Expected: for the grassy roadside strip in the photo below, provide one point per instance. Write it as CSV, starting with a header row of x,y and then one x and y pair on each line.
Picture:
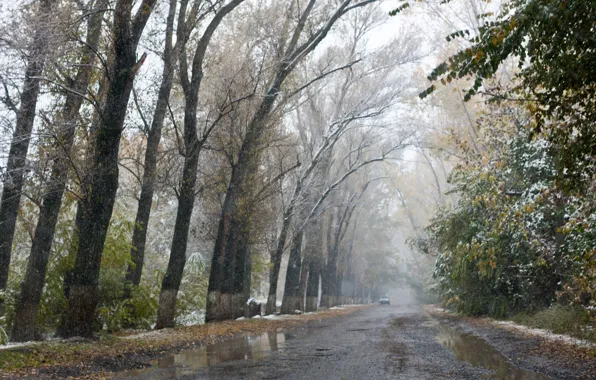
x,y
555,345
556,323
112,352
572,321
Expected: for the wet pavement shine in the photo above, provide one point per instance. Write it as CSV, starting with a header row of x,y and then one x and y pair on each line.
x,y
381,342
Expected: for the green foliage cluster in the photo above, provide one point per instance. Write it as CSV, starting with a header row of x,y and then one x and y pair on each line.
x,y
490,260
523,233
554,44
114,311
515,241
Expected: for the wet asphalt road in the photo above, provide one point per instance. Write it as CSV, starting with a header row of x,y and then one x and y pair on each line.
x,y
381,342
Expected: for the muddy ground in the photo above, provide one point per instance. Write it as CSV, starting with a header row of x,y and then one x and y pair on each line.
x,y
379,342
395,342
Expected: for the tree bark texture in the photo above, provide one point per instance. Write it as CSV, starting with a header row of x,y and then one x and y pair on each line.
x,y
31,289
247,284
234,219
193,146
103,183
139,236
17,155
313,254
276,257
291,300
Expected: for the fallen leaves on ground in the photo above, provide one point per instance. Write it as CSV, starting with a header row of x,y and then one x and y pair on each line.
x,y
88,358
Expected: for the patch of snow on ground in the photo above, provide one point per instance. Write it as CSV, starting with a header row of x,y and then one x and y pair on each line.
x,y
143,335
279,316
196,317
240,319
8,346
545,334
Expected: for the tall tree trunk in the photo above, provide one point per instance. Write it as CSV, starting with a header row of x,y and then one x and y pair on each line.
x,y
291,300
246,286
312,288
276,257
191,86
271,307
330,269
31,289
233,218
303,282
17,155
139,235
173,277
240,275
103,183
229,234
339,288
314,255
329,291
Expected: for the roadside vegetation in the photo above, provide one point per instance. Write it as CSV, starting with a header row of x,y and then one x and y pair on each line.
x,y
519,241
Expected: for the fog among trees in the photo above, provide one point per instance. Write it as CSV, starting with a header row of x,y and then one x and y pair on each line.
x,y
165,162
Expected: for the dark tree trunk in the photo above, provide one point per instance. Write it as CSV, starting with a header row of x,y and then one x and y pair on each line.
x,y
339,287
240,276
303,282
103,184
247,283
276,262
139,236
271,307
314,255
172,279
333,272
17,155
324,287
190,86
329,291
312,289
292,300
31,289
233,216
330,269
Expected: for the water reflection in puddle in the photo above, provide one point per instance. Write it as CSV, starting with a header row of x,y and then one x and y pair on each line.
x,y
477,352
189,361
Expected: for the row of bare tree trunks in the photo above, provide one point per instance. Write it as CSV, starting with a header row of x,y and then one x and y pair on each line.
x,y
318,262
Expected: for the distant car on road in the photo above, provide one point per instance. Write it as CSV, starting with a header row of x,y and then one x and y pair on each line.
x,y
384,300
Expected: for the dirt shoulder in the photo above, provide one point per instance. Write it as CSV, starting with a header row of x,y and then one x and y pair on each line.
x,y
111,353
558,356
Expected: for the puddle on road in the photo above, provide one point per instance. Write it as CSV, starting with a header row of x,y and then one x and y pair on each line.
x,y
188,362
479,353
